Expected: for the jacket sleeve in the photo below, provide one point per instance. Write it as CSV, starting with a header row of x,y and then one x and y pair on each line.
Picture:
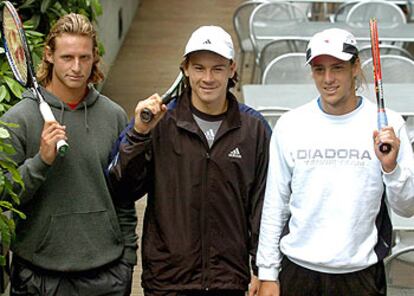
x,y
130,166
275,212
400,182
126,212
257,195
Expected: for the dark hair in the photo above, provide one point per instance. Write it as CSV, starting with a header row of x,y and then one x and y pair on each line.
x,y
231,83
76,24
360,80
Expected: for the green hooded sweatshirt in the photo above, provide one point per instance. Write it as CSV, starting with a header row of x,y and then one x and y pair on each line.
x,y
72,223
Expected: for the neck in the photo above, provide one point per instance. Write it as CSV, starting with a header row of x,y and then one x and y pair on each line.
x,y
342,107
67,95
216,107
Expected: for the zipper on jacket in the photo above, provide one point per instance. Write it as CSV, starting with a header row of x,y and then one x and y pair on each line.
x,y
205,279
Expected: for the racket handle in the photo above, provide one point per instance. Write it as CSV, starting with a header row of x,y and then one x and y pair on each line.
x,y
146,114
383,121
384,148
61,146
46,112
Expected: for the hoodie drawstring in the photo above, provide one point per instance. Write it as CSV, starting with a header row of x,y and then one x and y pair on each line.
x,y
62,110
86,116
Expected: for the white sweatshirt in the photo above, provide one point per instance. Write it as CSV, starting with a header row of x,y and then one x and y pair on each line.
x,y
324,176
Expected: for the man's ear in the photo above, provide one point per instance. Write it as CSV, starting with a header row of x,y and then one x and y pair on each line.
x,y
356,68
233,68
49,54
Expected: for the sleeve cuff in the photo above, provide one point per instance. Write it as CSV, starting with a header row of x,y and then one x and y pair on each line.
x,y
130,256
137,137
393,175
268,274
38,165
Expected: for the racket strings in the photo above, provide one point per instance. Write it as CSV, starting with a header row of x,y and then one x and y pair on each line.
x,y
14,46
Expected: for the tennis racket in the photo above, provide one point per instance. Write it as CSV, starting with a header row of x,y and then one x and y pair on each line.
x,y
175,90
20,61
382,116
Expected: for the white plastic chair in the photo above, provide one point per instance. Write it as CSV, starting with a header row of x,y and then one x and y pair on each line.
x,y
395,69
387,13
279,47
272,114
272,15
241,18
342,11
385,49
288,68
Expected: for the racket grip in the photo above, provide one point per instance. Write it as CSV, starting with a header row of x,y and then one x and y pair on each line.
x,y
384,148
382,119
46,112
61,146
382,122
146,114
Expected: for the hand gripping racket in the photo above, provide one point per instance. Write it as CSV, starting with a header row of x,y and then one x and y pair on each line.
x,y
18,56
382,116
174,90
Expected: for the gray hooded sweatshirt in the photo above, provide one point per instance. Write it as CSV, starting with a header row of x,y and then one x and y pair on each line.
x,y
72,223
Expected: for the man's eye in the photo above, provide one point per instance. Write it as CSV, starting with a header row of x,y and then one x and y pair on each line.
x,y
338,68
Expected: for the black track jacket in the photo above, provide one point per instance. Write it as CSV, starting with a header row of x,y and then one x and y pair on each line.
x,y
204,205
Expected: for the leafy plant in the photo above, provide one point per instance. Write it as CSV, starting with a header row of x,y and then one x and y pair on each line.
x,y
44,13
10,182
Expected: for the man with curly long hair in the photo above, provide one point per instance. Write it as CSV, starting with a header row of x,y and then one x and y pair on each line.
x,y
75,240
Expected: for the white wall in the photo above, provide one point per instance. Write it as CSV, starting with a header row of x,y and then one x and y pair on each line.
x,y
117,15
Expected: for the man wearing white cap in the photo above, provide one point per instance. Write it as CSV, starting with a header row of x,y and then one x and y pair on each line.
x,y
203,162
325,228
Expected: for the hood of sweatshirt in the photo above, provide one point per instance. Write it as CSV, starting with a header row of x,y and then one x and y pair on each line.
x,y
59,107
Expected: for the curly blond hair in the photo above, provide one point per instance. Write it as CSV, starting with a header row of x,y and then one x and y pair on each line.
x,y
71,23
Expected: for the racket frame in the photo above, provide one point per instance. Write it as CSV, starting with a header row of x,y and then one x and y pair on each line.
x,y
31,81
382,120
175,88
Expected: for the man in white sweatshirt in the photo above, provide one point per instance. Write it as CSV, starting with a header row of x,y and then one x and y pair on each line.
x,y
325,227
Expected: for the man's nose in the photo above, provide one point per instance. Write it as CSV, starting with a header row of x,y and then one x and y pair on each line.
x,y
329,76
76,65
208,76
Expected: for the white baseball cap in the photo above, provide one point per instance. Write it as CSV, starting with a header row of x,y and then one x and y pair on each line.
x,y
211,38
334,42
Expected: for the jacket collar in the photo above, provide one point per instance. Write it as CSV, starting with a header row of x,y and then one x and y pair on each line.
x,y
185,119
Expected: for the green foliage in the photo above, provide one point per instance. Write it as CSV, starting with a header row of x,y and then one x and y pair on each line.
x,y
10,182
38,16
